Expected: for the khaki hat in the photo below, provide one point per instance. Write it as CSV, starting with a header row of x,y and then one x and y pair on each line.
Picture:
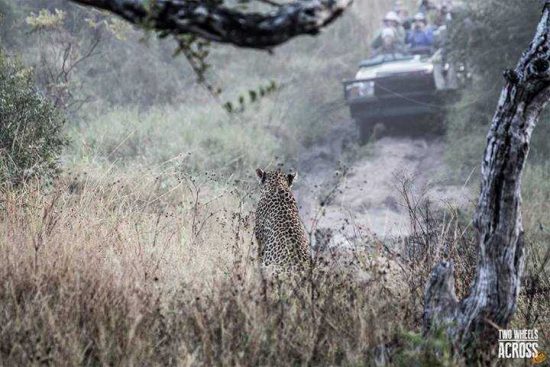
x,y
392,16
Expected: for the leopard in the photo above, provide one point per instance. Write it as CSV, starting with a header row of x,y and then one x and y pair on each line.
x,y
280,234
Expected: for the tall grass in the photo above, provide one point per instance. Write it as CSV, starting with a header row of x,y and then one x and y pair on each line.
x,y
121,270
199,138
160,268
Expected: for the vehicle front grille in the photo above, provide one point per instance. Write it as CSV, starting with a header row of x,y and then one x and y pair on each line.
x,y
403,85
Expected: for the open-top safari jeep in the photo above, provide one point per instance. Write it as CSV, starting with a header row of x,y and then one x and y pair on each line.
x,y
401,88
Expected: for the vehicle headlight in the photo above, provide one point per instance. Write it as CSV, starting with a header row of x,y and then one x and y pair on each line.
x,y
360,89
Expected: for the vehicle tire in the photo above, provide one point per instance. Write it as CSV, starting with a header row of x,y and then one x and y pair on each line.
x,y
365,131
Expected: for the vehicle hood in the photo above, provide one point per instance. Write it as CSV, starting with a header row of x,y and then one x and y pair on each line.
x,y
395,68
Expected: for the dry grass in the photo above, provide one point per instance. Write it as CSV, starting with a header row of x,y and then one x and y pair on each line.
x,y
449,235
159,269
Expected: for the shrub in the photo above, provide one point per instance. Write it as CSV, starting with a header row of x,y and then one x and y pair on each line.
x,y
31,130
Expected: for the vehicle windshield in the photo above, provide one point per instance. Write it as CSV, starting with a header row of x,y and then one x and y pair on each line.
x,y
408,54
383,58
421,50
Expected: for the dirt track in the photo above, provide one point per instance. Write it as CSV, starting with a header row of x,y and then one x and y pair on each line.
x,y
367,200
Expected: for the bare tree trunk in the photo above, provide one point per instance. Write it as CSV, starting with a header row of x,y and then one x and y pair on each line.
x,y
491,303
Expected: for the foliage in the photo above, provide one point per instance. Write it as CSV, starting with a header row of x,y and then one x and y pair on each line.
x,y
420,350
489,36
253,97
61,53
7,22
31,129
46,19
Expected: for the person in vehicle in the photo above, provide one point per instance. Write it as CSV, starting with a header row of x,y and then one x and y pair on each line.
x,y
420,35
404,19
389,45
391,20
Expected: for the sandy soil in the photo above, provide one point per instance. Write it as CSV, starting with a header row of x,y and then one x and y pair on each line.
x,y
366,201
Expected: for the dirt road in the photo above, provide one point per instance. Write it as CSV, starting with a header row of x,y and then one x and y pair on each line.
x,y
367,200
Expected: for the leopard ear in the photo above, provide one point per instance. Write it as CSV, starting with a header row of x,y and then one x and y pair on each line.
x,y
261,175
291,177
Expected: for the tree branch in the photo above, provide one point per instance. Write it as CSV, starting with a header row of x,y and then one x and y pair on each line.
x,y
220,24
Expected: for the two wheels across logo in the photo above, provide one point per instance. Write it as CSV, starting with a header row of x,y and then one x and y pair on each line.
x,y
520,344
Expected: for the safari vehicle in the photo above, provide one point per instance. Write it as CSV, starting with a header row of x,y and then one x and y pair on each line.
x,y
401,88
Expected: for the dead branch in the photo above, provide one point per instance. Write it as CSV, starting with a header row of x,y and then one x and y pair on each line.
x,y
221,24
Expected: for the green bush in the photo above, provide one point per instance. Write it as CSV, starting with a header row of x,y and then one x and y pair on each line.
x,y
31,130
